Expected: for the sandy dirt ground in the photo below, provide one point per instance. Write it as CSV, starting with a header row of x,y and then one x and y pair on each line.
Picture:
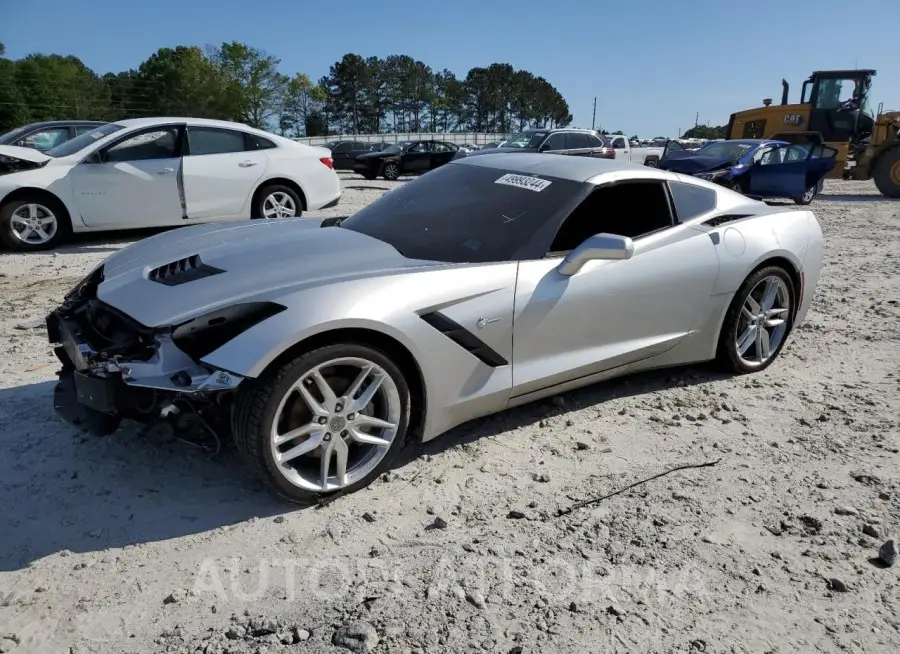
x,y
119,544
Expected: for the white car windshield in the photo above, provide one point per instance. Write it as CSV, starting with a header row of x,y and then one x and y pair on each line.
x,y
80,142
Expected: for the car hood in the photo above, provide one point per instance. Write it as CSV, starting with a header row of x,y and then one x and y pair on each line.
x,y
690,163
23,154
256,257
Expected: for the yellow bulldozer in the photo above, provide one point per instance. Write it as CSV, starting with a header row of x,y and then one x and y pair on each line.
x,y
833,109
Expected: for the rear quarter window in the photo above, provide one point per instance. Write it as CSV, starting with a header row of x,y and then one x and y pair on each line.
x,y
691,200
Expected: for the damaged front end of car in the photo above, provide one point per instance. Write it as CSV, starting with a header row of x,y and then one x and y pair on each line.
x,y
114,368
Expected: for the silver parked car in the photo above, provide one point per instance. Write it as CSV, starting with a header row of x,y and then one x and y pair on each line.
x,y
482,285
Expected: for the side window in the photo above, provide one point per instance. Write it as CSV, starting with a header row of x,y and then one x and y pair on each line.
x,y
691,200
619,143
441,147
342,147
211,140
556,141
154,144
84,129
255,142
632,209
595,141
799,152
578,141
419,147
45,139
772,157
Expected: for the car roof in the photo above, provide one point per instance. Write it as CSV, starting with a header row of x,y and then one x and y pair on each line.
x,y
578,169
203,122
63,123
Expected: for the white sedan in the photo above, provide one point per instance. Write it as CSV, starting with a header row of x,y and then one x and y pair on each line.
x,y
158,172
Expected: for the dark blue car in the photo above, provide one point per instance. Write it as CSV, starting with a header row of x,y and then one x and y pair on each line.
x,y
762,168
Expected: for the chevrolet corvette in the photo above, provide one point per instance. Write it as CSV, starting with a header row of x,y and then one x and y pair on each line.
x,y
482,285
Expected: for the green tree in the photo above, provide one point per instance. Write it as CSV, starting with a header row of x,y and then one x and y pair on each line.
x,y
255,89
172,82
303,100
706,132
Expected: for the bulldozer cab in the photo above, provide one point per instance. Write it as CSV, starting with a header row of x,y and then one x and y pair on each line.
x,y
838,103
833,103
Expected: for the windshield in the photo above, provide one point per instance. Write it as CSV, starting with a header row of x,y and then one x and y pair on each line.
x,y
725,150
465,214
80,142
530,138
11,135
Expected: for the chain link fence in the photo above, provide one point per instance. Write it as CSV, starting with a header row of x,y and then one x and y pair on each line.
x,y
474,138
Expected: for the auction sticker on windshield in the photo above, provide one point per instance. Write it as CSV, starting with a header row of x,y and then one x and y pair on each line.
x,y
524,181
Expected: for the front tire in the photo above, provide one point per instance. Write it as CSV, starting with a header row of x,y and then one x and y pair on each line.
x,y
807,197
277,201
887,173
33,222
332,420
652,163
757,322
391,171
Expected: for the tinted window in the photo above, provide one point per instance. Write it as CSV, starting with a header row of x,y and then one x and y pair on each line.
x,y
209,140
340,148
630,209
530,138
440,146
460,213
619,143
557,141
45,139
158,143
579,141
80,142
596,141
691,200
419,147
84,129
257,142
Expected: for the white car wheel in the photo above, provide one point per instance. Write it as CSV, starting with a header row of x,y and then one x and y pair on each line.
x,y
32,224
279,205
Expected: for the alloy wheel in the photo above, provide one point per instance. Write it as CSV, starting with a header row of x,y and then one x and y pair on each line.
x,y
335,424
762,324
34,224
809,195
279,205
391,171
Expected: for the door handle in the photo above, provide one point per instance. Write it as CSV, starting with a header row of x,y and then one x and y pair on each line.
x,y
165,171
247,164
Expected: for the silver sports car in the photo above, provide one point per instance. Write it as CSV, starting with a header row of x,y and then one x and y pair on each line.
x,y
482,285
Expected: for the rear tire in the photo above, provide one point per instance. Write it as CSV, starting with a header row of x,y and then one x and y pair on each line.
x,y
807,197
34,221
279,402
652,163
887,173
277,201
751,311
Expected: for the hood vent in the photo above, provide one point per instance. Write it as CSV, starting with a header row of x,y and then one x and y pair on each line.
x,y
715,221
182,271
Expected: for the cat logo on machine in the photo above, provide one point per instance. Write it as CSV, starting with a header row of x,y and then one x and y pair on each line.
x,y
793,119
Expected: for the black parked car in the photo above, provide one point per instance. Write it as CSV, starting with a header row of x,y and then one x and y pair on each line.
x,y
409,157
578,142
344,153
43,136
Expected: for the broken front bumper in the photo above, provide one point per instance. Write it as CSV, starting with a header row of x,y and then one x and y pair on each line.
x,y
99,387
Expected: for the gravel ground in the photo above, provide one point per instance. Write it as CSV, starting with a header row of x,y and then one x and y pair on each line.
x,y
123,545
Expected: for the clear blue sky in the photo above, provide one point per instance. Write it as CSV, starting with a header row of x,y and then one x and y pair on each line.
x,y
652,64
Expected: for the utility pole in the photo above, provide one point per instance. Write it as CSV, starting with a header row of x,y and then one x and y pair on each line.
x,y
594,119
697,119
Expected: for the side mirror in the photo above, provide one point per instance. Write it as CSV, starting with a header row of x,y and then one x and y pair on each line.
x,y
608,247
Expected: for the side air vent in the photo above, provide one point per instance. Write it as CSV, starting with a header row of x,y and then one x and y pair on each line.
x,y
465,339
182,271
721,220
